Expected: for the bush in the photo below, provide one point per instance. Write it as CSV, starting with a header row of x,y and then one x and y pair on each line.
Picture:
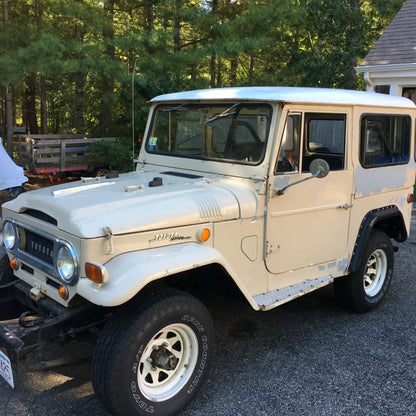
x,y
116,155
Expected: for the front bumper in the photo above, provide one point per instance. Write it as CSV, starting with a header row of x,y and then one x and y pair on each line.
x,y
43,322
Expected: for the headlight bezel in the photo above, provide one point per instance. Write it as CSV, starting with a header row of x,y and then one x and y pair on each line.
x,y
72,260
13,234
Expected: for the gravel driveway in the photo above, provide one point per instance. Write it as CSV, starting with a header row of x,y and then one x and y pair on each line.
x,y
308,357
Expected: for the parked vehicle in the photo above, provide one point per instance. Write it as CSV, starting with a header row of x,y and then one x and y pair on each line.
x,y
276,191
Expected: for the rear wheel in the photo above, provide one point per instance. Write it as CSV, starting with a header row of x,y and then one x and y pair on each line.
x,y
365,288
153,356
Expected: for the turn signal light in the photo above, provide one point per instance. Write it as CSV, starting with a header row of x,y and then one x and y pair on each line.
x,y
96,273
63,292
410,198
14,264
203,234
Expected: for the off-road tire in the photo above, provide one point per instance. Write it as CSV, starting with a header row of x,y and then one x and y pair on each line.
x,y
6,272
126,372
365,288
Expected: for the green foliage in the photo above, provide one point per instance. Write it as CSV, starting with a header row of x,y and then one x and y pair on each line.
x,y
116,155
82,53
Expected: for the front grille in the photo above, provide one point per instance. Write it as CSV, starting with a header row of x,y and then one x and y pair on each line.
x,y
38,246
38,249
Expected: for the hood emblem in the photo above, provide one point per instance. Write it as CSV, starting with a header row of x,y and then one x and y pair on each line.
x,y
174,236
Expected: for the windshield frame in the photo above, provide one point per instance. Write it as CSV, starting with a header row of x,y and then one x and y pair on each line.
x,y
226,110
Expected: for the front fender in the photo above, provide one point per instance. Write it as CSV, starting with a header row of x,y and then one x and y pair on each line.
x,y
128,273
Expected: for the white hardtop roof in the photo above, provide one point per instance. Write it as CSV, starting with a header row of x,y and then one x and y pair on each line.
x,y
289,95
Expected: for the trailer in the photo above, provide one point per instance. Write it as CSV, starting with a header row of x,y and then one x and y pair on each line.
x,y
57,153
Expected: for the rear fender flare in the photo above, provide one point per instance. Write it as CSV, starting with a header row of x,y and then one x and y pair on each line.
x,y
372,221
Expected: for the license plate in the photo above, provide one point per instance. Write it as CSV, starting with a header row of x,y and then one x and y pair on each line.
x,y
6,368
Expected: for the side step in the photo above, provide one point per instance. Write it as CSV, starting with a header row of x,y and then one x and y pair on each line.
x,y
277,297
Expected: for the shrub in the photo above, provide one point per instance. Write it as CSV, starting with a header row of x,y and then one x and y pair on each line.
x,y
116,155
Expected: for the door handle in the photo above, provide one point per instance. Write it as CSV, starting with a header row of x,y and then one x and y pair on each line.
x,y
344,206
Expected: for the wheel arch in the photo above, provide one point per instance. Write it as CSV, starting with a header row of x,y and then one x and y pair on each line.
x,y
174,266
387,219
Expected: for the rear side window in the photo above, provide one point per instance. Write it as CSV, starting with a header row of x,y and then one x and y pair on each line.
x,y
385,140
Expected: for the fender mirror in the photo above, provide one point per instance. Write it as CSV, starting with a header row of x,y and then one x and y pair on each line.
x,y
319,168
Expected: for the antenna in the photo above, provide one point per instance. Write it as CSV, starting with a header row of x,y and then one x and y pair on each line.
x,y
132,108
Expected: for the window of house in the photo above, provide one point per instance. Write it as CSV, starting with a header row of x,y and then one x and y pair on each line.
x,y
410,93
385,140
382,89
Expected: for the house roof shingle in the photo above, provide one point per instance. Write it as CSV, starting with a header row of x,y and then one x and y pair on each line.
x,y
397,45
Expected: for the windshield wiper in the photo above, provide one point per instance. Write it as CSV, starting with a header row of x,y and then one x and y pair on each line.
x,y
177,108
225,113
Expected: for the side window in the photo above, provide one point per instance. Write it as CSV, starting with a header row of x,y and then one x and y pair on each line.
x,y
324,138
385,140
288,159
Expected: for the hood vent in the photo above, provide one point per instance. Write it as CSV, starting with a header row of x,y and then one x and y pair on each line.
x,y
208,206
41,216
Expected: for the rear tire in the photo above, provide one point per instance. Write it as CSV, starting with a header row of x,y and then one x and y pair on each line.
x,y
153,355
365,288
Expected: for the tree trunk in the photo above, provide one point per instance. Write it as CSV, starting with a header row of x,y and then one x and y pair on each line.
x,y
213,59
149,15
212,70
79,102
9,89
107,81
219,72
42,84
79,84
177,26
351,79
30,105
232,79
43,107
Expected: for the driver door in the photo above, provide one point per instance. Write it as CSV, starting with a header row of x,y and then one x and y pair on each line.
x,y
307,226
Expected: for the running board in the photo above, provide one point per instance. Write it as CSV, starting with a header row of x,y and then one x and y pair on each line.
x,y
277,297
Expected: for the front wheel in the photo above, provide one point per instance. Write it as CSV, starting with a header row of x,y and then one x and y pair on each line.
x,y
152,356
365,288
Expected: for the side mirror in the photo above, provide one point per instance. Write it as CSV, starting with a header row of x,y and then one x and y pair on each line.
x,y
319,168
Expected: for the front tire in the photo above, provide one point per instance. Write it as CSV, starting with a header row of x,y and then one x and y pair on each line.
x,y
153,355
365,288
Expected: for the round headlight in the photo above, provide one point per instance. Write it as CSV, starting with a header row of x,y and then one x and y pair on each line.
x,y
9,235
66,264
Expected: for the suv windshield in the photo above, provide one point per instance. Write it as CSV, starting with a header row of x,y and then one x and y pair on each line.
x,y
235,132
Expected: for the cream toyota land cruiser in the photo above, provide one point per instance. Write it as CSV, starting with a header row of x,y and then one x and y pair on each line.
x,y
279,190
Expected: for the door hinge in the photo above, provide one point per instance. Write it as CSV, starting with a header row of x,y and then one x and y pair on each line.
x,y
270,248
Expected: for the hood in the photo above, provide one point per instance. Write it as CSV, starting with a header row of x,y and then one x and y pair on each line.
x,y
129,204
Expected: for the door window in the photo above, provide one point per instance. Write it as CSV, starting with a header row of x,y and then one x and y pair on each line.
x,y
288,159
323,138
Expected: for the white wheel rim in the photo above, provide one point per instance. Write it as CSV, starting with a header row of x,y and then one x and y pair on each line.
x,y
167,362
375,272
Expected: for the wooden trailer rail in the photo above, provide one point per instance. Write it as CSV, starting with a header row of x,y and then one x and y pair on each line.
x,y
52,153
